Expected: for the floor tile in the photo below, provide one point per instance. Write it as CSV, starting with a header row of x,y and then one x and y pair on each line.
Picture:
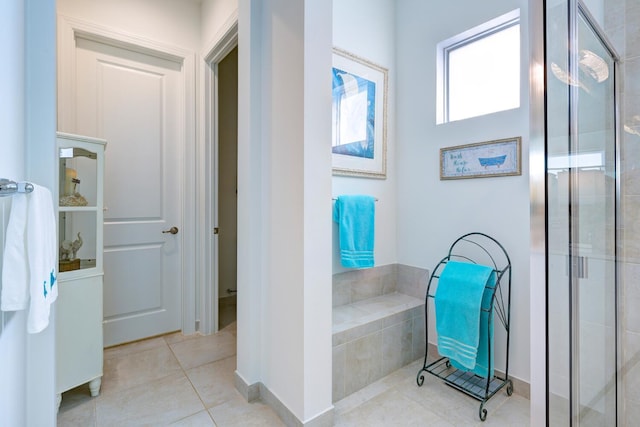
x,y
201,419
134,347
74,397
77,410
196,352
514,412
372,390
189,381
231,328
215,381
238,412
390,408
456,407
227,311
123,372
177,337
159,402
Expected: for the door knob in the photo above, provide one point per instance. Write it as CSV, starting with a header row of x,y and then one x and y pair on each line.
x,y
172,230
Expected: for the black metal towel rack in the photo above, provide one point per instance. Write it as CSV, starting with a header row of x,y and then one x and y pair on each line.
x,y
478,248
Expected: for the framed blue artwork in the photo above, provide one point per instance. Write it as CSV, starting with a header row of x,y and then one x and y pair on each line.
x,y
501,157
359,131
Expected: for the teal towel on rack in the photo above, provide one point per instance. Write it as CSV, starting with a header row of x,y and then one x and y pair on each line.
x,y
458,301
485,354
355,216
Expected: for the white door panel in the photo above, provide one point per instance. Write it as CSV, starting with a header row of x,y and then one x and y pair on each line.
x,y
131,292
134,101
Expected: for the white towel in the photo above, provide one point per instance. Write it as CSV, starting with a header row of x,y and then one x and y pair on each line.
x,y
29,262
15,268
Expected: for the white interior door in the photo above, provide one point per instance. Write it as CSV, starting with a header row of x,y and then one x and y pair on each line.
x,y
135,100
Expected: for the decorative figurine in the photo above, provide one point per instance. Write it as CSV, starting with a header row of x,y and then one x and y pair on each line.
x,y
69,249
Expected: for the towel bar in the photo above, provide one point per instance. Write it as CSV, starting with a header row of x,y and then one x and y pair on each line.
x,y
8,187
335,198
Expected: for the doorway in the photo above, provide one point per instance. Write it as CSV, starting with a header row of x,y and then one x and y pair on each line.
x,y
133,94
227,183
582,181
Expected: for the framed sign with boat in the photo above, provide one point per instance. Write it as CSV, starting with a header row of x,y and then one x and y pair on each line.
x,y
501,157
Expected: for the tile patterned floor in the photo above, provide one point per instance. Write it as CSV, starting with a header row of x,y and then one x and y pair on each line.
x,y
189,381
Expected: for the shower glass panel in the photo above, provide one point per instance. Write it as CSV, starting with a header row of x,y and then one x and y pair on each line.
x,y
581,200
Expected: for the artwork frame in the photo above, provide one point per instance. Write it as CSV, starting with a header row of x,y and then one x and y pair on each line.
x,y
500,157
362,124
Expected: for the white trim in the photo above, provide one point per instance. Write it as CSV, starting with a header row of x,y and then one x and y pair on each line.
x,y
224,41
538,249
189,199
68,30
124,39
255,391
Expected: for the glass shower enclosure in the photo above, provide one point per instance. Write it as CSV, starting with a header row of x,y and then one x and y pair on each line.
x,y
581,181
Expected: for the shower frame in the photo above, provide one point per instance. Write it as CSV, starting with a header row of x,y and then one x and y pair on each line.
x,y
538,149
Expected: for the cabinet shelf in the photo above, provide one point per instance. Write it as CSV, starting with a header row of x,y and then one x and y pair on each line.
x,y
78,208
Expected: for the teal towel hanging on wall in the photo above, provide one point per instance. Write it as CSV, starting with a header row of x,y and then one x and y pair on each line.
x,y
355,216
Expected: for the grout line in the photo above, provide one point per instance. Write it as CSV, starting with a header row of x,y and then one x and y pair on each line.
x,y
195,390
184,371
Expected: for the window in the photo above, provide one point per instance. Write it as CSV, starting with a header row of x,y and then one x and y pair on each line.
x,y
479,70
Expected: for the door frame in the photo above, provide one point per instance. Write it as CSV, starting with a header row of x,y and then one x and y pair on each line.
x,y
68,29
539,355
222,43
577,10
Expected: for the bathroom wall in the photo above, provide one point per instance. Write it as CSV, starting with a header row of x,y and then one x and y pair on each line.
x,y
13,335
176,23
284,194
431,213
622,25
214,15
367,28
27,118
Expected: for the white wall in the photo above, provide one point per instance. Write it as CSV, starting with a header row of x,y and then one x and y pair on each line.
x,y
284,190
42,163
317,312
431,212
252,180
172,22
12,325
215,15
367,28
27,118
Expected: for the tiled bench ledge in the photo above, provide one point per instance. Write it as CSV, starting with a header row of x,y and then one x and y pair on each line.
x,y
378,324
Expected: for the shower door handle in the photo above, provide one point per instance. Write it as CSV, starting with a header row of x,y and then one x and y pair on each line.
x,y
579,265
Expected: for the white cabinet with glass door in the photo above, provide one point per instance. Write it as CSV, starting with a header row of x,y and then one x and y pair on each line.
x,y
79,342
